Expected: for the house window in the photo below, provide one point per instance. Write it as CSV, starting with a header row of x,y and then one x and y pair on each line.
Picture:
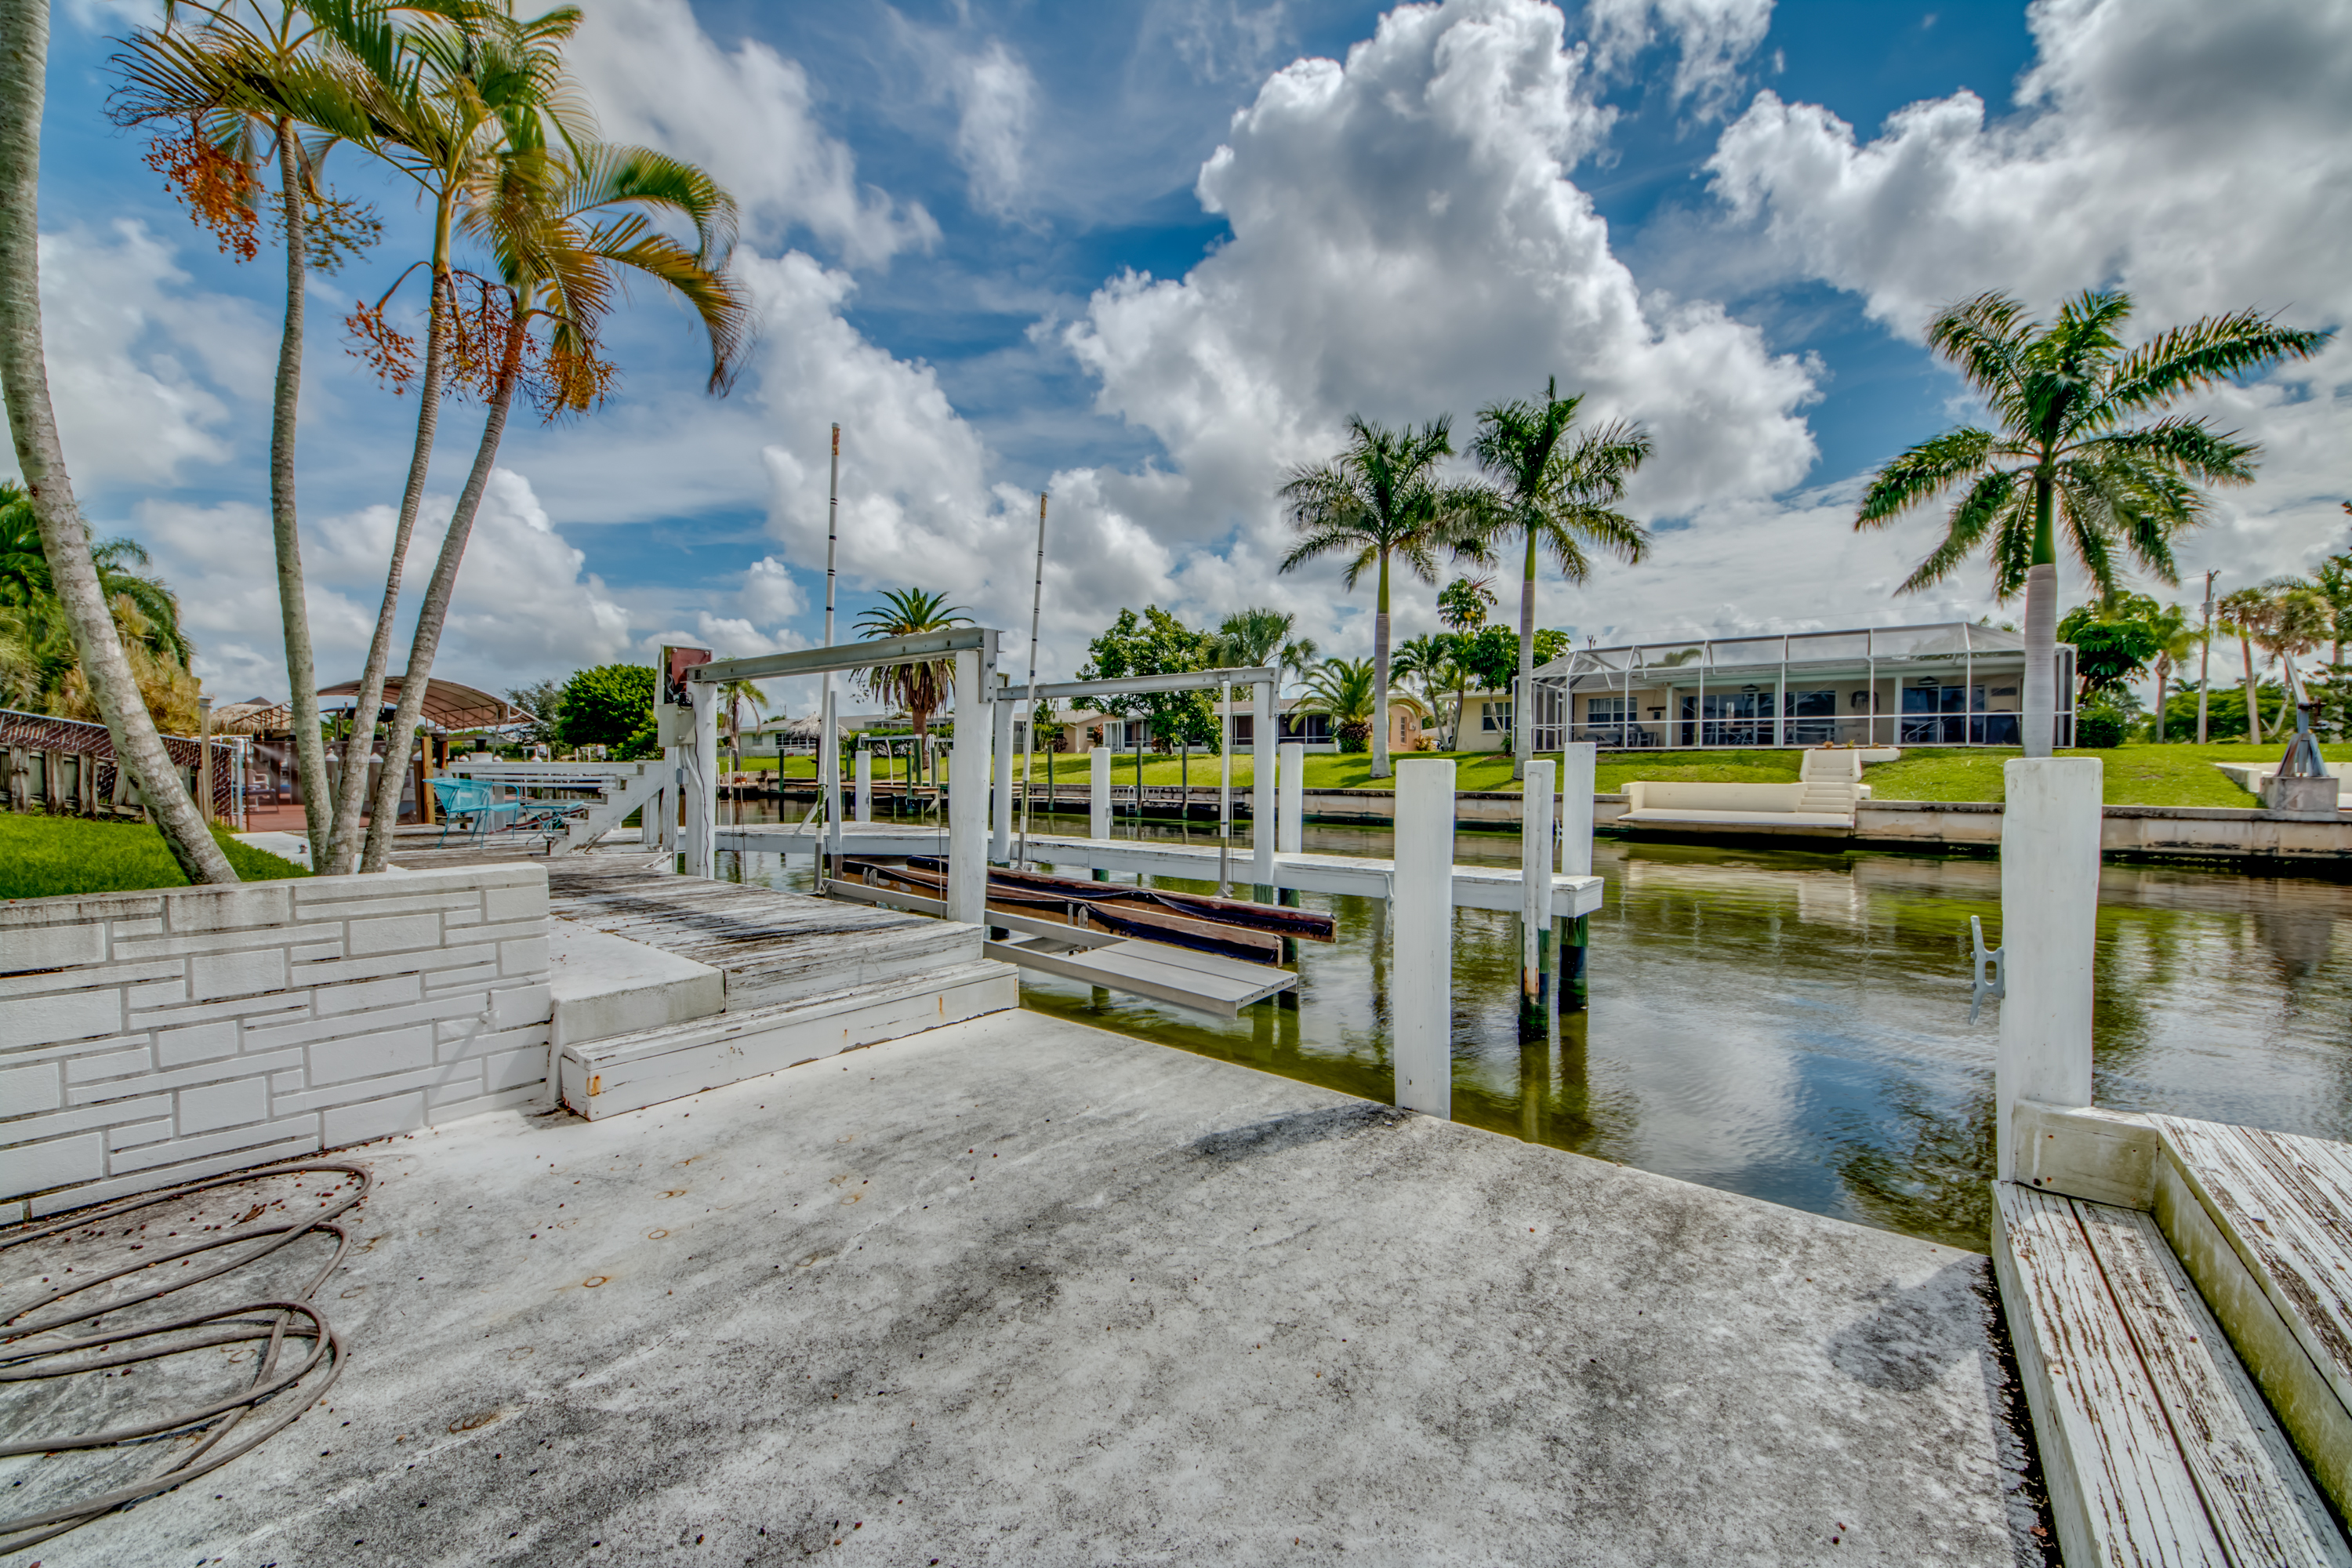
x,y
1244,729
1312,728
1609,711
1494,716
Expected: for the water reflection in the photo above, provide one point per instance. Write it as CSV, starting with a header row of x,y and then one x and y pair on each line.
x,y
1795,1025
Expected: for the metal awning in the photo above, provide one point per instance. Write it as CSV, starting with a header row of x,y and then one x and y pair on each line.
x,y
447,705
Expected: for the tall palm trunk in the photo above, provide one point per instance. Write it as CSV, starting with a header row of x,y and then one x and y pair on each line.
x,y
433,613
293,609
1522,718
1381,676
344,850
2163,673
2041,626
2253,713
41,456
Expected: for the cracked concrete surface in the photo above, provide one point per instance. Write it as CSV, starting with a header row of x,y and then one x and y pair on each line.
x,y
1019,1291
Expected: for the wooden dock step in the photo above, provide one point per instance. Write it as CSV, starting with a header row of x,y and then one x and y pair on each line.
x,y
2155,1443
2263,1223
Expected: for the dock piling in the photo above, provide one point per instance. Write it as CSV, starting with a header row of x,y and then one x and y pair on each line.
x,y
1578,765
1290,812
1262,782
1421,987
865,784
702,784
1098,798
2048,927
1534,891
967,796
1001,775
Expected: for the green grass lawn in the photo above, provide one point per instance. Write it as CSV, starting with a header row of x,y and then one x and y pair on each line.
x,y
43,856
2136,774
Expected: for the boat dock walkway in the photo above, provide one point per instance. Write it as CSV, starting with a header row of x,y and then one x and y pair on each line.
x,y
1022,1291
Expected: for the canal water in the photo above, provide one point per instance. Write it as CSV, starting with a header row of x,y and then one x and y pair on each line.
x,y
1795,1026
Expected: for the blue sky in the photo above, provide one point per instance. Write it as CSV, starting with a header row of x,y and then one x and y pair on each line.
x,y
982,237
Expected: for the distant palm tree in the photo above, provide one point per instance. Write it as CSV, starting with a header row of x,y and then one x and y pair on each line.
x,y
1381,498
1347,691
1559,495
25,578
2176,640
919,690
2065,393
1435,662
1249,639
2245,615
2300,622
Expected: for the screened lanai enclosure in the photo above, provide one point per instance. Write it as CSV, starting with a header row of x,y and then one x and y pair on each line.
x,y
1953,684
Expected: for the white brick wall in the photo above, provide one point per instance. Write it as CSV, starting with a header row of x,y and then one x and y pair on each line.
x,y
152,1038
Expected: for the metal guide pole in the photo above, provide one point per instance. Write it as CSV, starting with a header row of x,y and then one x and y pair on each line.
x,y
1224,789
1037,602
828,745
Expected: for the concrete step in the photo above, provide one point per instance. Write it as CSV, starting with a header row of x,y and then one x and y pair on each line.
x,y
604,985
631,1071
2155,1443
2262,1222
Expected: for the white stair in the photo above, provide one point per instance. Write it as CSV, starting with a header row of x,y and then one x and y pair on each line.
x,y
629,1072
1832,780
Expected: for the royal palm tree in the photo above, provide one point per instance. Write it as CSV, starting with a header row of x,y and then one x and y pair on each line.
x,y
2245,615
566,228
2068,456
920,689
1380,499
225,76
1558,490
41,460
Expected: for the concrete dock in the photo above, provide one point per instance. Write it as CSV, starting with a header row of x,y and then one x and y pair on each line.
x,y
1017,1291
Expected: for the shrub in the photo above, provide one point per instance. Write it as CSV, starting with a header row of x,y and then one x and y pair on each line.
x,y
605,706
2099,727
1356,735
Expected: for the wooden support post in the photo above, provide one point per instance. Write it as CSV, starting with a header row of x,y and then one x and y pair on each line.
x,y
1290,808
967,796
2049,926
1535,896
1261,783
1421,972
1098,793
1579,765
702,784
203,759
865,784
1000,845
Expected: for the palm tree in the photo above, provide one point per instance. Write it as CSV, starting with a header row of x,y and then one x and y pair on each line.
x,y
1559,495
2176,640
918,689
2065,394
736,694
41,460
1250,638
437,101
1378,500
565,228
2245,615
211,77
2300,621
1434,661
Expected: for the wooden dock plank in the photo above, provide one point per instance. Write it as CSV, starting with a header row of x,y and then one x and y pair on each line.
x,y
2257,1496
2120,1488
2284,1206
1175,975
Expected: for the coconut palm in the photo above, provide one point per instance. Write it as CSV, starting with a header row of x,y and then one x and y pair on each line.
x,y
220,76
1250,638
1435,662
2067,455
565,227
2300,621
2176,640
41,456
1380,499
920,689
1558,490
2245,615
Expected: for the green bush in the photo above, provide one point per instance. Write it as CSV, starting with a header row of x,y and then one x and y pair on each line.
x,y
1356,735
2098,728
606,706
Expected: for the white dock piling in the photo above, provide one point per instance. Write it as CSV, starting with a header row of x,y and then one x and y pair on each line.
x,y
1290,810
1098,792
2049,926
1262,784
865,784
1420,972
1535,889
702,784
1000,845
967,796
1578,765
828,768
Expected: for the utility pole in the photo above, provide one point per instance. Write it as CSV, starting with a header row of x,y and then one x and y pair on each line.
x,y
2204,664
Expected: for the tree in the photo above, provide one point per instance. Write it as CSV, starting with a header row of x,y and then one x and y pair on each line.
x,y
606,705
737,694
1249,638
1428,660
1559,495
2176,640
1157,643
1343,689
2067,452
566,229
1378,500
2114,641
42,671
2245,615
2299,621
540,700
1462,604
225,79
2334,580
1492,656
918,691
41,460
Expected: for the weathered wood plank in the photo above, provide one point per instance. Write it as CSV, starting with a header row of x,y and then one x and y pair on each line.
x,y
2282,1204
2119,1489
2259,1502
2083,1152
